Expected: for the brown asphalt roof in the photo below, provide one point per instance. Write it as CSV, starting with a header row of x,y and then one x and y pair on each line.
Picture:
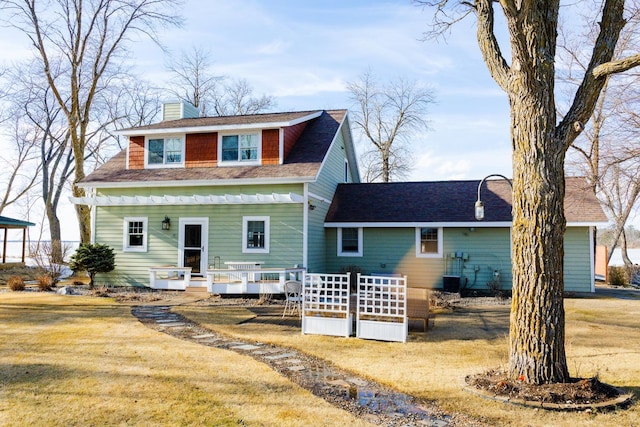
x,y
225,120
446,201
303,161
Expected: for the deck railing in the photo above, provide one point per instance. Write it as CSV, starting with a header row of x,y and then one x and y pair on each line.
x,y
250,280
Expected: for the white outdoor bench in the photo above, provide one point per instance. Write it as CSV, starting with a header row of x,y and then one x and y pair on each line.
x,y
169,277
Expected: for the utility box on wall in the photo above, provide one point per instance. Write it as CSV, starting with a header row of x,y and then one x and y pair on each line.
x,y
451,283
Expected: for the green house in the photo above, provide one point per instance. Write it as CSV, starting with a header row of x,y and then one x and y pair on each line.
x,y
241,204
428,232
220,192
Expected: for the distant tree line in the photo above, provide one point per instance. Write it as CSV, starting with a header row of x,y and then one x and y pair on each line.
x,y
607,237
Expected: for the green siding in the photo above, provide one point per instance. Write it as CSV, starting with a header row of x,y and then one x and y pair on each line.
x,y
577,260
331,174
225,232
392,250
487,250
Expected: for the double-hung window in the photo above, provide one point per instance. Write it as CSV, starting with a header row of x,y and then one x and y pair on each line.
x,y
428,242
168,151
240,148
255,234
350,241
135,234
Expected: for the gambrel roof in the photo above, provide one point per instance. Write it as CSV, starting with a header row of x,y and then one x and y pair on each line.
x,y
446,202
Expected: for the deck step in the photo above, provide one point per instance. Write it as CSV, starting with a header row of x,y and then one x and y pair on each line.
x,y
196,289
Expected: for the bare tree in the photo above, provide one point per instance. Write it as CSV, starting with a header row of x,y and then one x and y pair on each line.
x,y
195,83
193,80
607,152
387,115
236,98
19,170
537,333
80,45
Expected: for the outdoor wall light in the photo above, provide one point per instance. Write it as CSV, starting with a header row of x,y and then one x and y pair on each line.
x,y
311,206
166,223
479,205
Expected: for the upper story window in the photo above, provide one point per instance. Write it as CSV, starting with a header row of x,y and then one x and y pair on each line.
x,y
240,148
166,151
429,242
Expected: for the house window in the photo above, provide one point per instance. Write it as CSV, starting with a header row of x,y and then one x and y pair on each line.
x,y
135,235
240,148
429,242
255,234
346,171
350,241
165,151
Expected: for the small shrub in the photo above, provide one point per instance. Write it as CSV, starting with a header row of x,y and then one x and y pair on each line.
x,y
50,258
16,283
93,258
618,276
45,282
495,290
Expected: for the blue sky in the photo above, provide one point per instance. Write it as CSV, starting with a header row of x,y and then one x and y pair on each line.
x,y
304,52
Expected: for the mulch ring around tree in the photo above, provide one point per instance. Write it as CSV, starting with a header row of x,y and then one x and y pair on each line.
x,y
579,394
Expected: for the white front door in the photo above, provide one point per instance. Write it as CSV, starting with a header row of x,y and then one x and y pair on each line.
x,y
193,244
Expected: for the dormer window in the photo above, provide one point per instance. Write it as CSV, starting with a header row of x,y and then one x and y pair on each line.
x,y
241,148
165,151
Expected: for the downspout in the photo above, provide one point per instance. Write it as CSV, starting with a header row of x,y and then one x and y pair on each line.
x,y
94,214
305,226
592,258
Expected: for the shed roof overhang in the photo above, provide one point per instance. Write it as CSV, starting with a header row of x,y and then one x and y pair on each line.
x,y
6,222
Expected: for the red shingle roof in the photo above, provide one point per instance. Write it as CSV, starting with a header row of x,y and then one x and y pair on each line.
x,y
303,162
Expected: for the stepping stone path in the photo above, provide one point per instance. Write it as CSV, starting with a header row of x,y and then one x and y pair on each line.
x,y
365,399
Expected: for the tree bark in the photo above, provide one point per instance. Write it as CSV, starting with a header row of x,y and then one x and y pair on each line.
x,y
537,352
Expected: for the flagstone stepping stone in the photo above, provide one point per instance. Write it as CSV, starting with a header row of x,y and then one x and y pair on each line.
x,y
280,356
209,340
339,383
267,351
203,336
290,361
246,347
296,368
167,320
357,381
174,325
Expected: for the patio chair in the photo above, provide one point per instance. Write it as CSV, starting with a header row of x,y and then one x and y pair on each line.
x,y
418,306
293,298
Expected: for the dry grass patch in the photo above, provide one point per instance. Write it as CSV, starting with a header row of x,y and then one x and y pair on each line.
x,y
602,339
86,361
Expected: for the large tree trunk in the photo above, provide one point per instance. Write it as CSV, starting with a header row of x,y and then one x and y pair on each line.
x,y
54,232
537,353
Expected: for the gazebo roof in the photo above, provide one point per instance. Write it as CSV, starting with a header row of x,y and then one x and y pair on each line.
x,y
6,222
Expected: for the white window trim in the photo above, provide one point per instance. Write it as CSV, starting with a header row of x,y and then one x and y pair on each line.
x,y
419,254
350,254
182,138
258,161
267,234
125,234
